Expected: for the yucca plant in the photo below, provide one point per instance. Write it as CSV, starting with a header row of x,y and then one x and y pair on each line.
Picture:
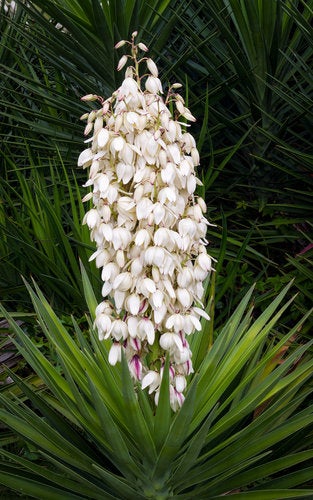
x,y
97,431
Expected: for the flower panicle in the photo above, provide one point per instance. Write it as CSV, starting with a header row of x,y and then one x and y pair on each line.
x,y
148,226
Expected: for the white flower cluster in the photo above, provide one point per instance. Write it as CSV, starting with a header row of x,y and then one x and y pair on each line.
x,y
148,226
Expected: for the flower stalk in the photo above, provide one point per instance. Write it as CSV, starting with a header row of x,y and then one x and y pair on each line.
x,y
148,225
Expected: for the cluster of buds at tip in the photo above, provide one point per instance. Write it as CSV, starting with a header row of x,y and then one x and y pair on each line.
x,y
148,225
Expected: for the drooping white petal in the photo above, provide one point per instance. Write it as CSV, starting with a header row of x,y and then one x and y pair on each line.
x,y
153,85
132,323
144,208
184,297
85,157
115,353
180,383
123,282
201,312
119,330
91,218
119,297
132,304
151,379
102,137
157,299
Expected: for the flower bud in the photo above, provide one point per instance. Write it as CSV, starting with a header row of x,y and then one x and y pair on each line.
x,y
152,67
119,44
143,47
121,63
89,97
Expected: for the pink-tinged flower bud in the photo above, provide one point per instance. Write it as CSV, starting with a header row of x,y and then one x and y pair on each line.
x,y
88,128
152,67
119,44
105,107
89,97
143,47
134,34
121,63
176,86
